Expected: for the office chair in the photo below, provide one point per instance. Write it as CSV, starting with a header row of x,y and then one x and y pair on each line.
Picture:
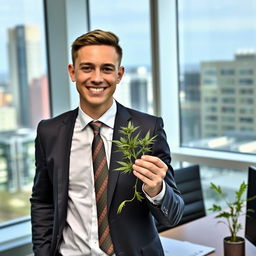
x,y
189,184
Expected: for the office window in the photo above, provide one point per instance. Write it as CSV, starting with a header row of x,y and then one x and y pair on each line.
x,y
247,110
211,127
246,81
227,72
246,129
227,81
228,109
24,100
219,176
228,119
130,20
210,71
228,100
228,90
246,120
211,109
247,101
247,91
210,99
217,41
211,118
246,71
210,81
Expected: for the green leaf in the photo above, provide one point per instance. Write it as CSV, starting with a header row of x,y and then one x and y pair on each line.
x,y
120,207
216,188
224,215
125,167
138,196
215,208
241,191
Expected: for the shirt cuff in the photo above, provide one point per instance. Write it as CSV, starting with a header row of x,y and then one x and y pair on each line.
x,y
157,200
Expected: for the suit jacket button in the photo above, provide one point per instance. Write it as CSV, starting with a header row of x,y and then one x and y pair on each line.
x,y
165,211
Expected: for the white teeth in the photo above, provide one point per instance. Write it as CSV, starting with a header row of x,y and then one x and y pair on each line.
x,y
96,89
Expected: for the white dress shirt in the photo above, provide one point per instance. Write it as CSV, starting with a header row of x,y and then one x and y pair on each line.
x,y
80,235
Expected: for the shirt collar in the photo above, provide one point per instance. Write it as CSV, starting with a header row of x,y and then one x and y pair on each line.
x,y
108,118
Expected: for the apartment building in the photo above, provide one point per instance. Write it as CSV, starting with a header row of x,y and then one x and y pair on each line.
x,y
228,90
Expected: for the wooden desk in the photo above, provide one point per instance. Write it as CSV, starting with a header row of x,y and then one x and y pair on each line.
x,y
206,231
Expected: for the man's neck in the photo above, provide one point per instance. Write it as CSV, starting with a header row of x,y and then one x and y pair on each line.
x,y
95,112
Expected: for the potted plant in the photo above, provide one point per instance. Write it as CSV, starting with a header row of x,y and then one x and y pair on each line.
x,y
234,245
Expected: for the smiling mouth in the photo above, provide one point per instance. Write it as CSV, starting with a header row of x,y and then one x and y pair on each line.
x,y
96,89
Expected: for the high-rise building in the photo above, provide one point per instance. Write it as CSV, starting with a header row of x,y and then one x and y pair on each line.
x,y
24,66
16,173
190,105
135,90
39,100
8,119
228,93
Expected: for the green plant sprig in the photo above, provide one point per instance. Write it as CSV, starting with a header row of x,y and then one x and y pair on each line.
x,y
132,147
234,209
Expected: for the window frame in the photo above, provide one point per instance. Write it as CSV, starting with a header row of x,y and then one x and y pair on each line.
x,y
61,16
169,97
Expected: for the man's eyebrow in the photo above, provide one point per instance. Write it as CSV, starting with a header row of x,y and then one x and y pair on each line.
x,y
92,64
108,65
85,63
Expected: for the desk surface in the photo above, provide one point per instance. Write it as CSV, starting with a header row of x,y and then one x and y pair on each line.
x,y
206,231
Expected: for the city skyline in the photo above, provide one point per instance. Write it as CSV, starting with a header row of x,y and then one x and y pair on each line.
x,y
208,32
213,32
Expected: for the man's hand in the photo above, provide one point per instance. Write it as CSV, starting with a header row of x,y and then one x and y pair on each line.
x,y
151,171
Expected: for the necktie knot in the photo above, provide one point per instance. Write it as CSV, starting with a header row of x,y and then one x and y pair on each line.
x,y
96,127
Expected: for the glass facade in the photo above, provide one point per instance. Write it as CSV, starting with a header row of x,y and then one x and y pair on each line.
x,y
130,20
217,63
24,100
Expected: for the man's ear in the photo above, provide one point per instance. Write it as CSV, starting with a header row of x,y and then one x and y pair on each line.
x,y
71,72
120,73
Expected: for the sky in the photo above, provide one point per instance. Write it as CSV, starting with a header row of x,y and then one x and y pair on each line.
x,y
130,21
217,30
208,30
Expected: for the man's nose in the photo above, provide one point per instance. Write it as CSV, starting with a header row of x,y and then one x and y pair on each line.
x,y
97,76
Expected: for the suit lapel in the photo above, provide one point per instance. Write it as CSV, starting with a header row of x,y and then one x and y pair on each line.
x,y
65,134
122,118
64,146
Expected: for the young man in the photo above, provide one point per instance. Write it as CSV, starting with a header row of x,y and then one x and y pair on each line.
x,y
64,202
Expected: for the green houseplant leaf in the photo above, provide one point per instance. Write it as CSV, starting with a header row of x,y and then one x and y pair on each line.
x,y
233,211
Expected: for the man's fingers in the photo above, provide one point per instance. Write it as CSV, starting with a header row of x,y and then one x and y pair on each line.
x,y
154,160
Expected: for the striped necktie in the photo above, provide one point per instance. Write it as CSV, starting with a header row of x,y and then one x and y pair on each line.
x,y
100,182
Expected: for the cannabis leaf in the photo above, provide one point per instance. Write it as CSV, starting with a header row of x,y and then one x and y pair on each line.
x,y
132,147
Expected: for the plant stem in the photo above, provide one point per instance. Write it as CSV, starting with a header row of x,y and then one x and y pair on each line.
x,y
128,200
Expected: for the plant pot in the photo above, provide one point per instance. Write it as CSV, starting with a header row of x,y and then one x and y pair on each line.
x,y
234,248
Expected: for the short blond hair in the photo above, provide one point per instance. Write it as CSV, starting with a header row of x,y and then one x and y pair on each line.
x,y
96,37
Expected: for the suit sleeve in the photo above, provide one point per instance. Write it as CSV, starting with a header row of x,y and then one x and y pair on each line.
x,y
41,202
171,209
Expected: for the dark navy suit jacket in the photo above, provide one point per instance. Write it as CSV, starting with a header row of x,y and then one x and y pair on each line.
x,y
133,231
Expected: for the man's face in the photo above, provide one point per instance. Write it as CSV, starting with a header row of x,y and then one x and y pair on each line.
x,y
96,72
